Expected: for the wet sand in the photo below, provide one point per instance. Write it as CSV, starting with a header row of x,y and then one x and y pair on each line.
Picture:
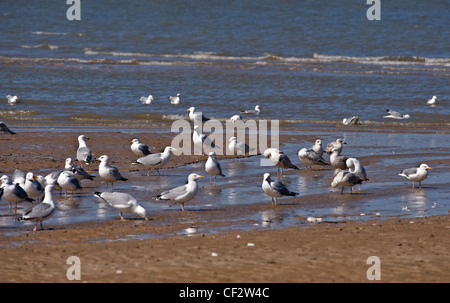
x,y
410,249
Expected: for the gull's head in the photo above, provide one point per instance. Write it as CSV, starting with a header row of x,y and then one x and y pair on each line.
x,y
341,141
169,149
266,177
191,109
69,161
424,166
406,116
232,139
139,210
103,159
134,141
193,177
318,141
4,179
29,176
82,138
212,154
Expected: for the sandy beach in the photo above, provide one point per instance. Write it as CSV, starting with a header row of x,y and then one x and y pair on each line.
x,y
409,249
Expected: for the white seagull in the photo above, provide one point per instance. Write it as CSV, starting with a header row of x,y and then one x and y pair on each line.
x,y
317,147
432,101
345,179
255,111
212,167
147,100
275,189
175,100
32,187
42,211
13,192
196,116
309,157
109,173
12,99
181,194
396,115
123,202
280,159
68,182
139,149
416,174
156,161
83,152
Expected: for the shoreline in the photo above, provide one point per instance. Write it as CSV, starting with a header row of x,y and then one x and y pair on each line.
x,y
165,249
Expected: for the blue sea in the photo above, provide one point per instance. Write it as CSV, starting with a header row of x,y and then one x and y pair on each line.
x,y
308,64
301,61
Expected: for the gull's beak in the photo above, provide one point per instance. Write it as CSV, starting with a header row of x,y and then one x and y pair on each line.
x,y
429,167
131,142
145,218
187,110
201,177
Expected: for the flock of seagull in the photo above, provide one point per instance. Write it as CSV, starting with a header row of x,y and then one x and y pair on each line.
x,y
28,187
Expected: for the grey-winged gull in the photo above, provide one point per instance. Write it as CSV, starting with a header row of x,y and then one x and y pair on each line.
x,y
344,179
337,160
139,149
212,167
147,100
13,193
157,160
280,159
351,121
5,130
109,173
275,188
32,187
335,145
183,193
203,141
317,147
396,115
12,99
175,100
83,152
123,202
255,111
355,166
79,172
416,174
68,182
309,157
42,211
196,116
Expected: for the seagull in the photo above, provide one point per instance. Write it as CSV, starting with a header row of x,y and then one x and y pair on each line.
x,y
236,118
175,100
32,187
109,173
336,160
280,159
156,161
432,101
147,100
351,121
42,211
275,189
83,152
183,193
196,116
212,167
5,129
67,181
255,111
396,115
238,148
354,166
139,149
336,144
309,157
79,172
416,174
345,179
123,202
13,192
12,99
202,140
317,147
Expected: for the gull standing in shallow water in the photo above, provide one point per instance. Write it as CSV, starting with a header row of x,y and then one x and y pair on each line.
x,y
181,194
317,147
42,211
275,189
345,179
396,115
13,192
212,167
68,182
309,157
83,152
123,202
139,149
109,173
196,116
156,161
416,174
280,159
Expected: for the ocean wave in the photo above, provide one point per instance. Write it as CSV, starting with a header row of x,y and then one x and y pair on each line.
x,y
43,46
41,33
